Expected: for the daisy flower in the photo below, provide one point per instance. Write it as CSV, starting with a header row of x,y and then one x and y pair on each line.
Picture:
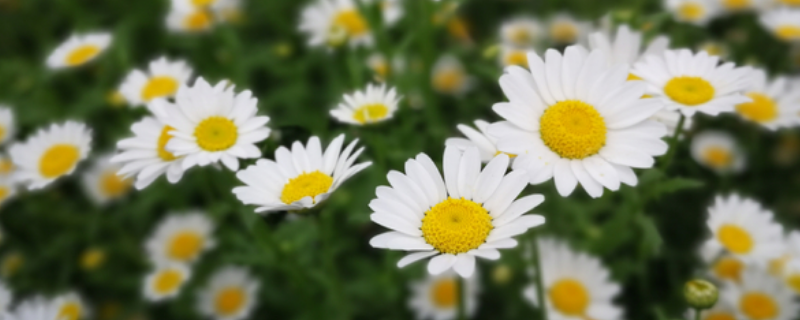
x,y
379,65
694,82
392,11
565,29
575,119
92,258
229,295
697,12
299,178
161,80
727,267
181,238
7,129
191,19
212,124
742,228
372,105
720,311
791,275
784,23
51,153
333,23
513,56
714,48
36,308
717,150
436,297
487,145
78,50
576,285
739,5
760,297
774,105
8,189
165,281
448,76
102,182
70,307
470,213
521,32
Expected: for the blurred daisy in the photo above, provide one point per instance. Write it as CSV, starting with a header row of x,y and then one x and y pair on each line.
x,y
92,258
160,81
7,128
521,32
448,76
774,105
51,153
739,5
36,308
576,285
487,145
722,310
512,56
718,151
372,105
392,11
728,268
70,307
145,156
165,281
299,178
760,297
627,46
565,29
742,228
212,124
8,189
470,213
787,3
7,167
784,23
694,82
181,238
714,48
189,19
436,297
697,12
78,50
333,23
577,120
379,65
791,275
102,182
229,295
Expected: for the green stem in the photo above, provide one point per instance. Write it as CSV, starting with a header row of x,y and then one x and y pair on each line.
x,y
327,237
538,276
697,314
354,65
461,289
673,144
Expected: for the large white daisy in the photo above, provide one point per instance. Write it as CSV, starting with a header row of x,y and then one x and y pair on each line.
x,y
79,49
181,237
774,105
372,105
229,295
470,213
166,280
761,297
784,23
161,80
102,182
333,23
697,12
487,145
718,151
70,307
436,296
51,153
7,127
744,229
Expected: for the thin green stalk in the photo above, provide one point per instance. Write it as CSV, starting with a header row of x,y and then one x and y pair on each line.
x,y
697,314
354,65
326,238
462,313
673,144
538,276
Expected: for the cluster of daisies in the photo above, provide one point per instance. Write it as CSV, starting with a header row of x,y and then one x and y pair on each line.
x,y
193,16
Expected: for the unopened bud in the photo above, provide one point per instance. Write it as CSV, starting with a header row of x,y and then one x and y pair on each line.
x,y
700,294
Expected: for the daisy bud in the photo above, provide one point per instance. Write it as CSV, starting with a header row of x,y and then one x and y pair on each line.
x,y
700,294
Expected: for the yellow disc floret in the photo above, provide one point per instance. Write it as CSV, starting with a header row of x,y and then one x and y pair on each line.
x,y
352,22
230,300
564,32
719,316
370,113
573,129
758,306
717,157
444,293
690,91
185,245
456,226
82,54
761,109
691,11
58,160
197,20
159,87
69,311
788,32
517,58
569,297
162,144
306,185
735,239
729,268
216,133
736,4
167,281
112,185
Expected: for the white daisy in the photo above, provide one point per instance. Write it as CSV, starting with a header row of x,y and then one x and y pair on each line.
x,y
372,105
7,127
181,238
189,19
717,150
70,307
229,295
774,105
392,11
436,297
102,182
744,229
575,119
448,76
514,56
715,48
78,50
165,281
760,297
212,124
722,310
161,80
8,189
627,46
333,23
470,213
487,145
145,156
576,285
380,66
697,12
791,275
694,82
299,178
521,32
51,153
36,308
740,5
784,23
726,267
565,29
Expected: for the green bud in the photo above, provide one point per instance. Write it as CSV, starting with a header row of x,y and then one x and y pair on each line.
x,y
700,294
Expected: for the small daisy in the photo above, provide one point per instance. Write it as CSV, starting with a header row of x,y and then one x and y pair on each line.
x,y
165,281
470,213
627,46
577,120
791,275
380,66
436,297
102,182
92,258
521,32
299,178
576,285
697,12
36,308
714,48
694,82
333,23
78,50
718,150
229,295
189,19
513,56
145,156
392,11
774,105
565,29
181,238
742,228
51,153
70,307
740,5
372,105
7,129
784,23
161,80
448,76
727,268
212,124
8,189
760,297
722,310
487,145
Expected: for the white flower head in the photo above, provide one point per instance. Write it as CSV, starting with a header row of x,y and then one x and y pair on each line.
x,y
333,23
487,145
181,238
722,310
51,153
760,297
521,32
161,80
78,50
7,127
36,308
229,295
513,56
377,103
784,23
70,306
697,12
724,266
192,16
742,228
565,29
392,11
102,182
774,104
166,280
436,296
718,150
448,76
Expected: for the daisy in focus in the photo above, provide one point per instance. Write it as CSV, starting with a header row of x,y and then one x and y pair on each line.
x,y
575,119
79,49
742,228
299,178
521,32
784,23
51,153
229,295
436,297
7,128
70,307
161,80
565,29
333,23
165,281
760,297
697,12
774,105
718,151
102,182
372,105
470,213
181,238
212,124
448,76
486,144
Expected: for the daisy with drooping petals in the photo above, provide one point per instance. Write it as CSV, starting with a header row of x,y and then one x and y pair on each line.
x,y
565,29
70,307
373,105
694,82
51,153
470,213
774,105
784,23
697,12
448,76
718,150
212,124
78,50
299,178
102,182
333,23
742,228
487,145
165,281
160,81
576,285
7,128
575,119
760,297
229,295
521,32
181,238
36,308
436,297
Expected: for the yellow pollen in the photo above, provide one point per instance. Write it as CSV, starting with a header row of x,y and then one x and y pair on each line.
x,y
230,300
719,316
691,11
4,192
163,139
717,157
113,185
157,87
198,20
6,166
573,129
788,32
456,226
167,281
448,80
508,154
306,185
690,91
70,311
185,245
370,113
569,297
82,54
92,258
517,58
444,293
793,281
352,22
216,134
735,239
758,306
58,160
736,4
564,32
520,37
762,109
729,268
632,77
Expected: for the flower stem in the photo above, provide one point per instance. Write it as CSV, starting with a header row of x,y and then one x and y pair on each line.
x,y
538,276
673,143
697,313
462,314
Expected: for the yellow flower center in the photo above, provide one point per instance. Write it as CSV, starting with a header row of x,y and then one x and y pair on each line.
x,y
370,113
92,258
793,281
115,98
6,166
573,129
717,157
216,134
198,20
82,54
762,109
790,2
306,185
569,297
564,32
517,58
113,185
58,160
691,11
203,3
351,21
520,36
185,245
456,226
167,281
788,32
2,132
736,4
448,80
70,311
163,86
444,293
382,69
758,306
776,266
230,300
719,316
4,192
690,91
163,139
735,239
729,268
